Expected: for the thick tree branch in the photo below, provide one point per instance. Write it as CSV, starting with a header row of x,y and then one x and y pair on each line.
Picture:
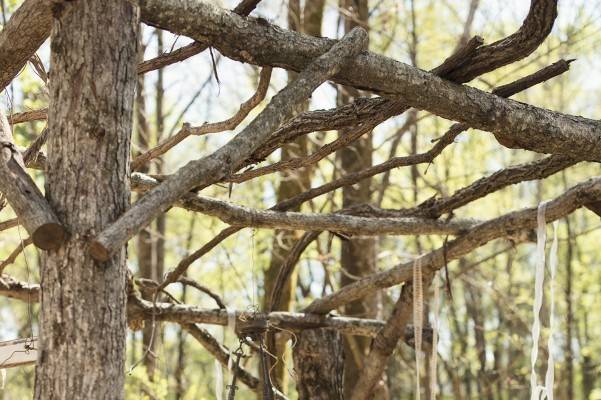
x,y
186,314
236,215
23,34
24,197
505,225
243,8
213,168
515,125
434,208
14,289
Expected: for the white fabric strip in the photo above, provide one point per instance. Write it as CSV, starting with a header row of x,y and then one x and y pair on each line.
x,y
418,319
434,357
541,238
218,380
550,375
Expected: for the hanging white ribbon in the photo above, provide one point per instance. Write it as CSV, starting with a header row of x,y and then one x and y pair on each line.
x,y
550,375
418,319
434,357
537,391
218,380
539,277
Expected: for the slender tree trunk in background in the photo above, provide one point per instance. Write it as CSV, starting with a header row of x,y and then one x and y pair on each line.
x,y
589,373
181,358
179,375
144,239
161,222
83,314
569,350
358,255
292,183
319,365
474,309
151,243
460,336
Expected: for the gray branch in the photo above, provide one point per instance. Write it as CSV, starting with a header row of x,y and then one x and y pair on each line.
x,y
515,125
213,168
26,200
503,226
240,216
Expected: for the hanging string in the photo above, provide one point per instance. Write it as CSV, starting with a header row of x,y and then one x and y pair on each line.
x,y
550,375
252,270
219,375
434,356
29,306
418,316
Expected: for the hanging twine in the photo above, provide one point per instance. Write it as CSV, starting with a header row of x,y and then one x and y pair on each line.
x,y
418,316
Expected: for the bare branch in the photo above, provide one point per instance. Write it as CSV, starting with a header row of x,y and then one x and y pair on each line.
x,y
23,34
513,222
515,125
244,8
185,314
337,222
213,168
14,289
28,116
13,256
24,197
386,341
226,125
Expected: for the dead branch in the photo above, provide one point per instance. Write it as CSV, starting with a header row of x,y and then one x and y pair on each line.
x,y
226,125
23,34
24,197
15,253
240,216
513,222
213,168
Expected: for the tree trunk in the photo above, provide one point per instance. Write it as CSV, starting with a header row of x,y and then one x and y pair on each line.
x,y
319,364
144,243
307,20
83,314
358,256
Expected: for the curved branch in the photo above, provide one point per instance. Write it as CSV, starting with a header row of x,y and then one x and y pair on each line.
x,y
227,159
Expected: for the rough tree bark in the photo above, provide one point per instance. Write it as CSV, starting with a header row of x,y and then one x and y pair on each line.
x,y
319,364
83,314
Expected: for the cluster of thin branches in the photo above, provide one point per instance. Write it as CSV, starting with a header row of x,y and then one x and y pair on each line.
x,y
566,139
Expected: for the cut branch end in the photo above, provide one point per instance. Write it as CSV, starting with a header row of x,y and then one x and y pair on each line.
x,y
49,236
